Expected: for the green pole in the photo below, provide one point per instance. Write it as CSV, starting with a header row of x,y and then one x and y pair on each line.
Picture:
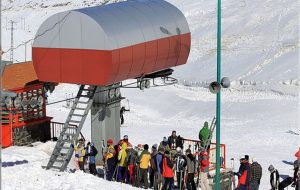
x,y
218,117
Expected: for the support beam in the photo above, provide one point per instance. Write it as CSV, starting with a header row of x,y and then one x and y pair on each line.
x,y
105,119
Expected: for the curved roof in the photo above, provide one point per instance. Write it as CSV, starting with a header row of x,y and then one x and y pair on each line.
x,y
112,26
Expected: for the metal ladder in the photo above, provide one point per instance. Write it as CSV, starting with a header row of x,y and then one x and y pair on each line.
x,y
64,147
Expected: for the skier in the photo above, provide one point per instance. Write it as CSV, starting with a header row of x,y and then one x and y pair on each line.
x,y
109,157
164,144
173,142
122,111
296,177
167,171
204,136
204,170
80,154
243,174
122,165
159,166
91,153
131,159
144,164
255,175
191,168
153,167
125,140
274,177
180,164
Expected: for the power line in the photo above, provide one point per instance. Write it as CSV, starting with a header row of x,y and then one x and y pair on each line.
x,y
95,93
39,35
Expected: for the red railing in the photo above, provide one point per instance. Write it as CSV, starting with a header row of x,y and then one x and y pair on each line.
x,y
57,127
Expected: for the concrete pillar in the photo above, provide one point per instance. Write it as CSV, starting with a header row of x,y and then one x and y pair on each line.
x,y
105,117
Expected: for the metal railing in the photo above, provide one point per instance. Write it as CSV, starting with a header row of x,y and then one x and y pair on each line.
x,y
56,129
193,145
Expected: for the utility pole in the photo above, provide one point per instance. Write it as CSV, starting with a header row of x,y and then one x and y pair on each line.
x,y
25,44
12,40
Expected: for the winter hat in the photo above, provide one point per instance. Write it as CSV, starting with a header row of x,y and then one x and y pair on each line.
x,y
254,159
205,124
110,141
165,139
154,146
178,149
125,137
271,168
146,147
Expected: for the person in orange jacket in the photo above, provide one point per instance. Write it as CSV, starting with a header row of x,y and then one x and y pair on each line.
x,y
167,171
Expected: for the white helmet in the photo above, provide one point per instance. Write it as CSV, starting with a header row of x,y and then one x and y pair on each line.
x,y
178,149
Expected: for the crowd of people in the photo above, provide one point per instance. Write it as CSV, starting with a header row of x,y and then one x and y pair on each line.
x,y
167,166
154,167
164,166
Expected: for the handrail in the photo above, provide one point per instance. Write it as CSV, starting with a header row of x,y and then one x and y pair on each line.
x,y
54,125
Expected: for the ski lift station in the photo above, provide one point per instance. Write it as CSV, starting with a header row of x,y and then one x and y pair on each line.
x,y
98,48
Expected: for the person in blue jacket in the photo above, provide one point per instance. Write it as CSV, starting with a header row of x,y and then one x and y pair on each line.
x,y
91,154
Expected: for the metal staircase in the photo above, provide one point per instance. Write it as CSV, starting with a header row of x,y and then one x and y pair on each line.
x,y
64,147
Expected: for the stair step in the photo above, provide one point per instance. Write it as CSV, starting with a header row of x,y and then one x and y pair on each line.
x,y
74,121
85,96
78,115
82,102
80,109
58,160
88,89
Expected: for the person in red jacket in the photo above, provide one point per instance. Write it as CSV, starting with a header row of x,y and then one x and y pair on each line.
x,y
243,174
204,169
167,171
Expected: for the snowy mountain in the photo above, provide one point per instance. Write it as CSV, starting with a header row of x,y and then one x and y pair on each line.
x,y
260,112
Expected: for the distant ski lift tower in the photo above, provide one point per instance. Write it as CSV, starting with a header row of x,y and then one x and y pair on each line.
x,y
101,47
12,40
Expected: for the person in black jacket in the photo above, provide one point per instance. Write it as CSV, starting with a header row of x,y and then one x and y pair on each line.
x,y
296,178
174,142
91,154
255,175
274,177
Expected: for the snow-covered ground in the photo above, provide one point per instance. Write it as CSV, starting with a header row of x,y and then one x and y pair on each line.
x,y
260,112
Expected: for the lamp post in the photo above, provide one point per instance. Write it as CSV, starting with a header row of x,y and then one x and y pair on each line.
x,y
218,110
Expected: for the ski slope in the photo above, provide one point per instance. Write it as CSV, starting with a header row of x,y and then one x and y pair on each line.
x,y
260,112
